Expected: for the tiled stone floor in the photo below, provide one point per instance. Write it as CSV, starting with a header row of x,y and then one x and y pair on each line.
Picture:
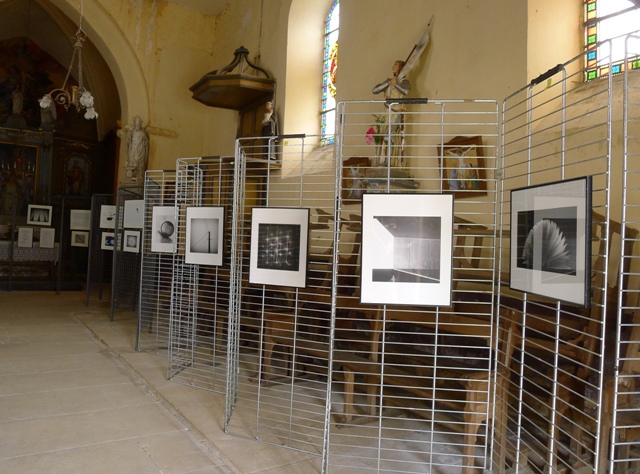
x,y
75,397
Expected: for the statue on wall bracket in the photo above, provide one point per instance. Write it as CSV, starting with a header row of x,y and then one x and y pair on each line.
x,y
390,125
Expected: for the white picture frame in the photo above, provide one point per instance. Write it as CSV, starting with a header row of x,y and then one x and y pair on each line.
x,y
79,238
552,219
47,237
39,215
133,214
107,241
80,219
163,229
407,249
25,237
108,216
279,246
204,235
131,241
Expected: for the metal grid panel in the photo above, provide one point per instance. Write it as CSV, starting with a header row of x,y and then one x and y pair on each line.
x,y
279,335
624,390
290,348
72,270
100,261
411,384
154,308
125,275
557,128
200,295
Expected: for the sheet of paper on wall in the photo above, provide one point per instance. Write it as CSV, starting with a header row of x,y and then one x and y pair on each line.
x,y
134,214
80,219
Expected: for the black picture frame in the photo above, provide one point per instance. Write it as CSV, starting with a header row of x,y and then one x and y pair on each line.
x,y
551,240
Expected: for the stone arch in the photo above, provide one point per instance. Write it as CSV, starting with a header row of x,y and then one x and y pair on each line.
x,y
120,58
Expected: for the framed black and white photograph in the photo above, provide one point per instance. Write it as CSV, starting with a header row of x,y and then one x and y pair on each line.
x,y
108,241
133,214
163,229
39,215
47,237
107,216
79,238
80,219
407,249
204,235
279,242
25,237
131,241
551,240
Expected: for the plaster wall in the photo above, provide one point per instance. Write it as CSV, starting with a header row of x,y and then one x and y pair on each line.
x,y
156,50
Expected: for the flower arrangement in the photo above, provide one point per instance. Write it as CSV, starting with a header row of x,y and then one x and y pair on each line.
x,y
374,133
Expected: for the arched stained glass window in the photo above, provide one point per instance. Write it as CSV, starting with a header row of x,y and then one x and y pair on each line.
x,y
611,20
329,74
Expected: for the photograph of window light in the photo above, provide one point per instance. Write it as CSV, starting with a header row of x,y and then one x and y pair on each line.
x,y
412,247
407,248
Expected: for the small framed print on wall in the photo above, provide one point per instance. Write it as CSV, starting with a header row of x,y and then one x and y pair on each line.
x,y
39,215
462,166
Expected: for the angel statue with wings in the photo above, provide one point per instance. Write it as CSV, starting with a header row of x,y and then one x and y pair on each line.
x,y
391,148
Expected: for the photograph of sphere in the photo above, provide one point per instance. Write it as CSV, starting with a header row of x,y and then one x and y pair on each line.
x,y
163,229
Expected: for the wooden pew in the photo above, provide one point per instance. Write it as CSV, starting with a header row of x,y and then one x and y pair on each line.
x,y
561,347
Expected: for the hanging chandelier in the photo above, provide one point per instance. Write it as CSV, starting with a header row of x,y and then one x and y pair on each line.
x,y
80,97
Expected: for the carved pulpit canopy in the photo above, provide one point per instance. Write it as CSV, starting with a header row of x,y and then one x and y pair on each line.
x,y
237,91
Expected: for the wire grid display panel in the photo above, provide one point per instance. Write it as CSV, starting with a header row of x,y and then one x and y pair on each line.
x,y
100,261
74,254
125,275
555,132
412,382
156,268
624,390
279,332
200,301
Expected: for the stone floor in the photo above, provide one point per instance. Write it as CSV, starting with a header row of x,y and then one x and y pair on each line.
x,y
76,397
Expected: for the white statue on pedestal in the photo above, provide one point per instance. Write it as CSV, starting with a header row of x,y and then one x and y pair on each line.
x,y
137,151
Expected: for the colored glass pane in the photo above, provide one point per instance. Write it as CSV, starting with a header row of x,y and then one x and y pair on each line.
x,y
607,24
330,73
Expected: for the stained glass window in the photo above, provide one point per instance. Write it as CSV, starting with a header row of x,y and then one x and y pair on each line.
x,y
611,20
329,74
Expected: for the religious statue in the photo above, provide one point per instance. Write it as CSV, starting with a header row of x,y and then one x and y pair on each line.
x,y
137,151
390,150
17,100
269,129
392,133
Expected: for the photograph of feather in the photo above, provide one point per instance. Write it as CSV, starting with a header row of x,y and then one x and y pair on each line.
x,y
550,240
547,240
204,235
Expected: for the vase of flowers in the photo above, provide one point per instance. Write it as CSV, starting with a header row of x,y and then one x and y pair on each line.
x,y
374,133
